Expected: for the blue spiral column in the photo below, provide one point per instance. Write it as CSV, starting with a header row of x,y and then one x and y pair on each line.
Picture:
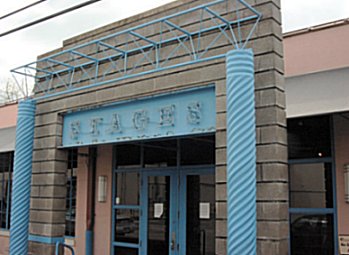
x,y
241,153
20,203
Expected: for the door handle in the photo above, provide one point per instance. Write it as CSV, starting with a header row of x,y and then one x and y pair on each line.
x,y
173,241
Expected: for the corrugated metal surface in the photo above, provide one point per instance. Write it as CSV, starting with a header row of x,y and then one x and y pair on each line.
x,y
7,139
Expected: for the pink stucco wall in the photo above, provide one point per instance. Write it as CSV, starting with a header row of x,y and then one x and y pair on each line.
x,y
103,216
323,48
8,115
81,201
4,243
103,219
341,131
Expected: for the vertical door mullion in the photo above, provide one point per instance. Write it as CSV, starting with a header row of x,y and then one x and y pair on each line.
x,y
173,211
144,215
183,212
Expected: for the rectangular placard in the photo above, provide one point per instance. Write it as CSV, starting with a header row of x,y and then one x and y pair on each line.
x,y
174,114
344,244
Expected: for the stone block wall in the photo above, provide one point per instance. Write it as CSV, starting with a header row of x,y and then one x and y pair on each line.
x,y
49,162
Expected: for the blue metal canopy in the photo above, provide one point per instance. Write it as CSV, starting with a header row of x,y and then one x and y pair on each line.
x,y
168,42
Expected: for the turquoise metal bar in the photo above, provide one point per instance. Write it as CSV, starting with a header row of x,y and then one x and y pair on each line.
x,y
153,52
89,242
22,178
241,153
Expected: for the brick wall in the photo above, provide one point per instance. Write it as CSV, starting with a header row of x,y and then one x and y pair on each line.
x,y
49,166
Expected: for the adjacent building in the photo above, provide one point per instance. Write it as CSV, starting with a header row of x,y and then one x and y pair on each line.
x,y
317,79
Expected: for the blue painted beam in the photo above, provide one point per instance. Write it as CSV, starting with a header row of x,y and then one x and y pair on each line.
x,y
22,178
241,153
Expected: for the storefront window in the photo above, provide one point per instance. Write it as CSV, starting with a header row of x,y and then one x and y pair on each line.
x,y
71,193
6,169
312,214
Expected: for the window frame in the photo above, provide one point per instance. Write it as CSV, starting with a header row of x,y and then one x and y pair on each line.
x,y
320,211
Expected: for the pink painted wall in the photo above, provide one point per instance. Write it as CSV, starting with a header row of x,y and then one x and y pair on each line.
x,y
318,50
103,216
341,131
4,244
81,201
103,212
8,115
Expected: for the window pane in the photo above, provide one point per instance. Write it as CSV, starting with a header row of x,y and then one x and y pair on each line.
x,y
128,155
127,188
201,220
6,168
309,137
71,192
158,214
312,234
160,153
73,158
193,149
127,226
311,186
125,251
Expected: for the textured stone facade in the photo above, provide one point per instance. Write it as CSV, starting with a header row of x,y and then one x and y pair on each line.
x,y
49,162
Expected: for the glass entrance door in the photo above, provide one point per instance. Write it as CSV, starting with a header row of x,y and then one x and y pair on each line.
x,y
178,212
197,221
164,197
160,207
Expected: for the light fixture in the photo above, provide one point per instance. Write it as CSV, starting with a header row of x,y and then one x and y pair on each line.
x,y
102,189
346,182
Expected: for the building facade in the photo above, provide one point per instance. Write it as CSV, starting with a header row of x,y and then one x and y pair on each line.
x,y
138,194
138,164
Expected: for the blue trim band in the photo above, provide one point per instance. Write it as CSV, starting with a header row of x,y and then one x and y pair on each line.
x,y
45,239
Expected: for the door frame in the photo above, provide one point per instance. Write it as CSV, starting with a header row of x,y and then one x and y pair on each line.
x,y
178,183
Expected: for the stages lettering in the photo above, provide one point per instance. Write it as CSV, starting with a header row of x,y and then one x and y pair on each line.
x,y
177,114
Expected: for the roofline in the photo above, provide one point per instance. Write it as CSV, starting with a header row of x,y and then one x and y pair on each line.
x,y
327,25
9,103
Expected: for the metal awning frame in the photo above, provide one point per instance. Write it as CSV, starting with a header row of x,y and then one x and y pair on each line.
x,y
65,65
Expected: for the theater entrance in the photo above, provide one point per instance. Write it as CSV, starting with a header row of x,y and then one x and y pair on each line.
x,y
164,197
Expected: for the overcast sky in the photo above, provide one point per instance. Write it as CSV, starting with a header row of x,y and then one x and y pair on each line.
x,y
22,47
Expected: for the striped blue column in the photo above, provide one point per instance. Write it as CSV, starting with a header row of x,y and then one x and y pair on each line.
x,y
20,203
241,153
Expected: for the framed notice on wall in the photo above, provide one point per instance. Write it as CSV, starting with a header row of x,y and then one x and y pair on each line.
x,y
344,244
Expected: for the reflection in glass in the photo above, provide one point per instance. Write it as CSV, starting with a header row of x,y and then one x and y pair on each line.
x,y
127,226
312,234
311,186
200,215
127,188
125,251
158,215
